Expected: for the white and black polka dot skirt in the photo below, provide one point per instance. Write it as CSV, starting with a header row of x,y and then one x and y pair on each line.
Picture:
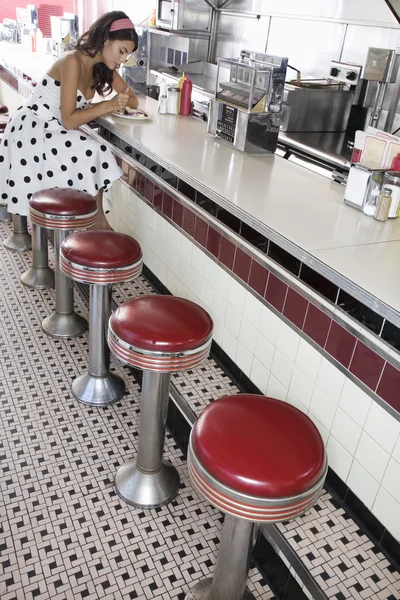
x,y
38,153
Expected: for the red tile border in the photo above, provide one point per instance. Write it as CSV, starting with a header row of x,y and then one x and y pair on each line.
x,y
213,243
258,277
340,344
367,365
343,346
276,291
389,386
200,230
242,264
149,190
316,325
227,253
295,308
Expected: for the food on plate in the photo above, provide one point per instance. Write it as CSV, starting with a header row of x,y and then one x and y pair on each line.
x,y
135,113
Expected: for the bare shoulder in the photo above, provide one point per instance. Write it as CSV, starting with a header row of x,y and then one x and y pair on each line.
x,y
68,64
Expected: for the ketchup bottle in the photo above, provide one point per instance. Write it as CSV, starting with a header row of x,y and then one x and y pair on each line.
x,y
396,163
186,97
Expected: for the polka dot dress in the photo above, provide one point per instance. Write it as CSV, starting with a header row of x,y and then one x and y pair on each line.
x,y
37,152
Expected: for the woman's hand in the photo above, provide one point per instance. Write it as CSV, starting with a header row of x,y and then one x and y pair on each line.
x,y
117,103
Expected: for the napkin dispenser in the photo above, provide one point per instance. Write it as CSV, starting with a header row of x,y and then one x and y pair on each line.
x,y
362,185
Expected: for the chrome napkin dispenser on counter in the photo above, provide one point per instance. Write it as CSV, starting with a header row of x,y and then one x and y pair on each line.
x,y
363,185
247,110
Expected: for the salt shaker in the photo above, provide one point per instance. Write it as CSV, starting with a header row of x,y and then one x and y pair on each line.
x,y
172,100
383,206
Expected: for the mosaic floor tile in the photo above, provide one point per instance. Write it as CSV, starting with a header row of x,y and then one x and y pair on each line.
x,y
64,533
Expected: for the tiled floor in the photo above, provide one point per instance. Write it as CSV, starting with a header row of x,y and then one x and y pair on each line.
x,y
64,532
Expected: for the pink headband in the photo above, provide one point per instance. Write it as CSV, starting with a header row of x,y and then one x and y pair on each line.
x,y
121,24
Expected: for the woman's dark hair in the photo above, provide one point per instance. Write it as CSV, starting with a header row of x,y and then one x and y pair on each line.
x,y
92,42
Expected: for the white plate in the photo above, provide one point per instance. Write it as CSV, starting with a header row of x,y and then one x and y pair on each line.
x,y
136,115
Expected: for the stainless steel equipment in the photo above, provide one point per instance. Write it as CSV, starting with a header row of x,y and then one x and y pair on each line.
x,y
247,108
135,71
184,15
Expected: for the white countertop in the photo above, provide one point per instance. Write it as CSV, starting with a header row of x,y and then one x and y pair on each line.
x,y
303,208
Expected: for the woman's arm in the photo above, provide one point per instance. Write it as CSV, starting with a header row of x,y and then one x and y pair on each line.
x,y
71,117
120,86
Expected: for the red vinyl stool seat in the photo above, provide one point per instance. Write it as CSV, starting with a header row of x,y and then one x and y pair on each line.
x,y
63,210
257,459
160,335
100,258
3,109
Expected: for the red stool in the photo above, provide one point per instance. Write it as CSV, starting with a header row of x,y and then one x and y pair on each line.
x,y
100,258
257,459
160,335
62,210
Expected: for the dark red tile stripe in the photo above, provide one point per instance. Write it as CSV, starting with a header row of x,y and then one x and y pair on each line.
x,y
389,386
317,325
343,346
366,365
340,344
295,308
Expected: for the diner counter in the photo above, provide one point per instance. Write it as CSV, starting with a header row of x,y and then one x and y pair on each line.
x,y
302,211
298,209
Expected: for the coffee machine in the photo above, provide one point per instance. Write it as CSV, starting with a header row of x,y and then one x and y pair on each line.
x,y
247,109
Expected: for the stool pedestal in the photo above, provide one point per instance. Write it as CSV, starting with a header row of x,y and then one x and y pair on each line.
x,y
39,276
98,387
233,564
64,322
147,481
5,216
20,239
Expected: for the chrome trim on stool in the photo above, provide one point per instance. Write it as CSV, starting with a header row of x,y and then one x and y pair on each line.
x,y
66,222
100,276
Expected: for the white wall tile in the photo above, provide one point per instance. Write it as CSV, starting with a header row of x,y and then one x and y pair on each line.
x,y
355,402
362,484
219,305
184,271
206,294
252,309
164,251
259,375
308,359
181,289
288,341
396,451
172,281
296,403
269,324
387,510
322,430
248,335
162,272
382,427
339,458
372,456
218,330
236,295
173,261
264,351
346,431
186,249
233,320
222,282
175,240
197,260
282,368
330,380
301,387
323,408
229,343
275,389
244,359
391,480
195,283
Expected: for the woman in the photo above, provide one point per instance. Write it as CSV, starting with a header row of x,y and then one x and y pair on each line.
x,y
41,147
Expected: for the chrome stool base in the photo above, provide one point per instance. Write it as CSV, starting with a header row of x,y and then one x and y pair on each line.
x,y
5,216
98,391
38,278
146,490
64,326
20,240
202,591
